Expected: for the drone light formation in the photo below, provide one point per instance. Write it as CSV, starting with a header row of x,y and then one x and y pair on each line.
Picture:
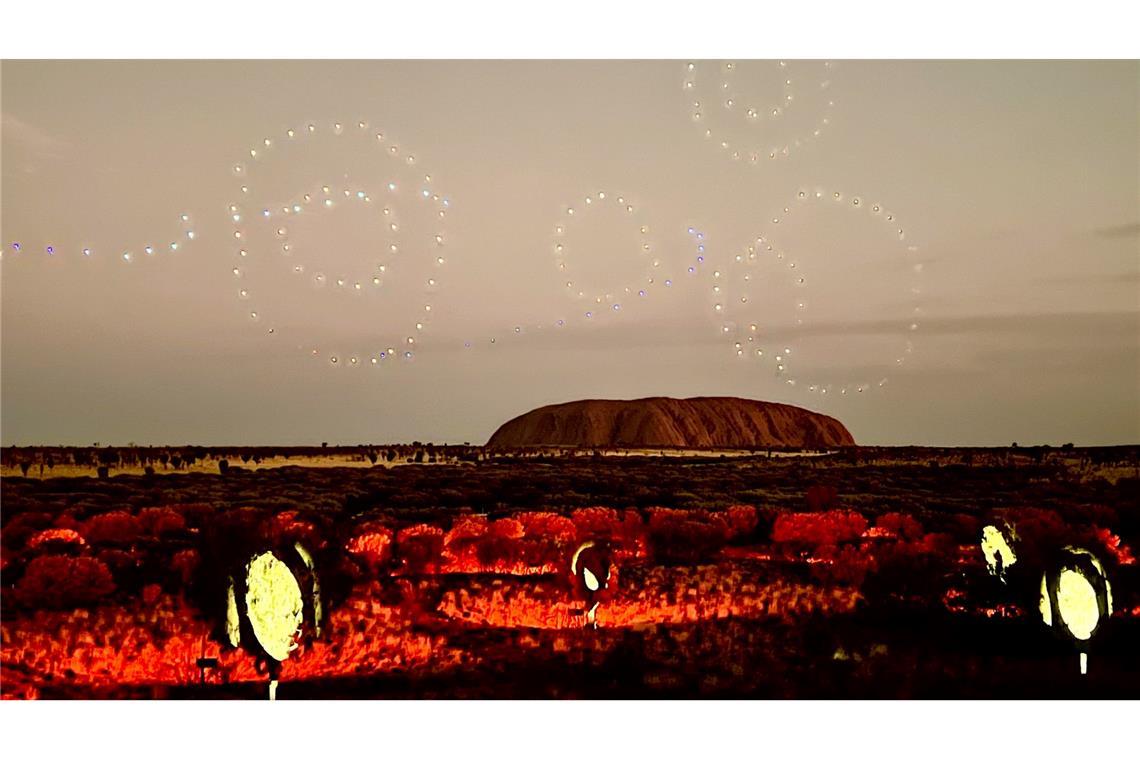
x,y
742,128
255,203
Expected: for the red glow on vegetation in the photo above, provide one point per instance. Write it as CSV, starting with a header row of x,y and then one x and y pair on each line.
x,y
62,535
1114,545
818,528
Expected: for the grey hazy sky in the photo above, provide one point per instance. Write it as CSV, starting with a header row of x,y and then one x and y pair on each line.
x,y
1018,183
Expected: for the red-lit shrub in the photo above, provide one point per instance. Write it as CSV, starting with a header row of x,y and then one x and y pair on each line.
x,y
68,521
23,526
812,529
372,547
160,521
57,582
55,536
742,521
549,525
1120,551
185,564
899,525
123,563
420,547
683,535
463,544
151,592
508,529
116,527
847,566
597,522
289,526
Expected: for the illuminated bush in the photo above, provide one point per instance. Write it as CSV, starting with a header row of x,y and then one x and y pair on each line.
x,y
811,529
507,528
160,521
548,524
847,565
59,582
420,548
185,563
20,528
462,544
595,521
56,536
116,527
900,525
372,547
743,521
1115,547
685,535
289,526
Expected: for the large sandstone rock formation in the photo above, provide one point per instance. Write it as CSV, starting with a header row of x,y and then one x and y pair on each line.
x,y
715,422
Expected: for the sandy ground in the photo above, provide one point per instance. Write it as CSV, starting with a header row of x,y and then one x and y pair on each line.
x,y
210,466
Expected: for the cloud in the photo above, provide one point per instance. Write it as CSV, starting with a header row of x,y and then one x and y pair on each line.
x,y
1119,231
1104,278
32,138
1058,324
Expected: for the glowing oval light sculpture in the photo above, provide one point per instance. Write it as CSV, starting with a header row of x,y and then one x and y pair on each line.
x,y
997,550
590,566
273,605
1076,598
273,602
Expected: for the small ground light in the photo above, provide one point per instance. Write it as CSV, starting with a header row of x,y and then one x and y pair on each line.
x,y
591,569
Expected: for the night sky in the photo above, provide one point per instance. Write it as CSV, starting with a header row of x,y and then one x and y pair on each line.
x,y
1012,296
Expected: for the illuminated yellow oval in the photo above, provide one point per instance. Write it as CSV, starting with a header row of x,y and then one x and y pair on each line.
x,y
1077,604
273,603
994,546
591,581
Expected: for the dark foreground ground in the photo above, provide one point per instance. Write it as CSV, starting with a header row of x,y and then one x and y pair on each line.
x,y
852,575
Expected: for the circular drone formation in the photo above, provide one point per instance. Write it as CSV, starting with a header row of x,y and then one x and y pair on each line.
x,y
127,255
746,334
606,299
732,293
282,216
327,198
754,118
597,302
